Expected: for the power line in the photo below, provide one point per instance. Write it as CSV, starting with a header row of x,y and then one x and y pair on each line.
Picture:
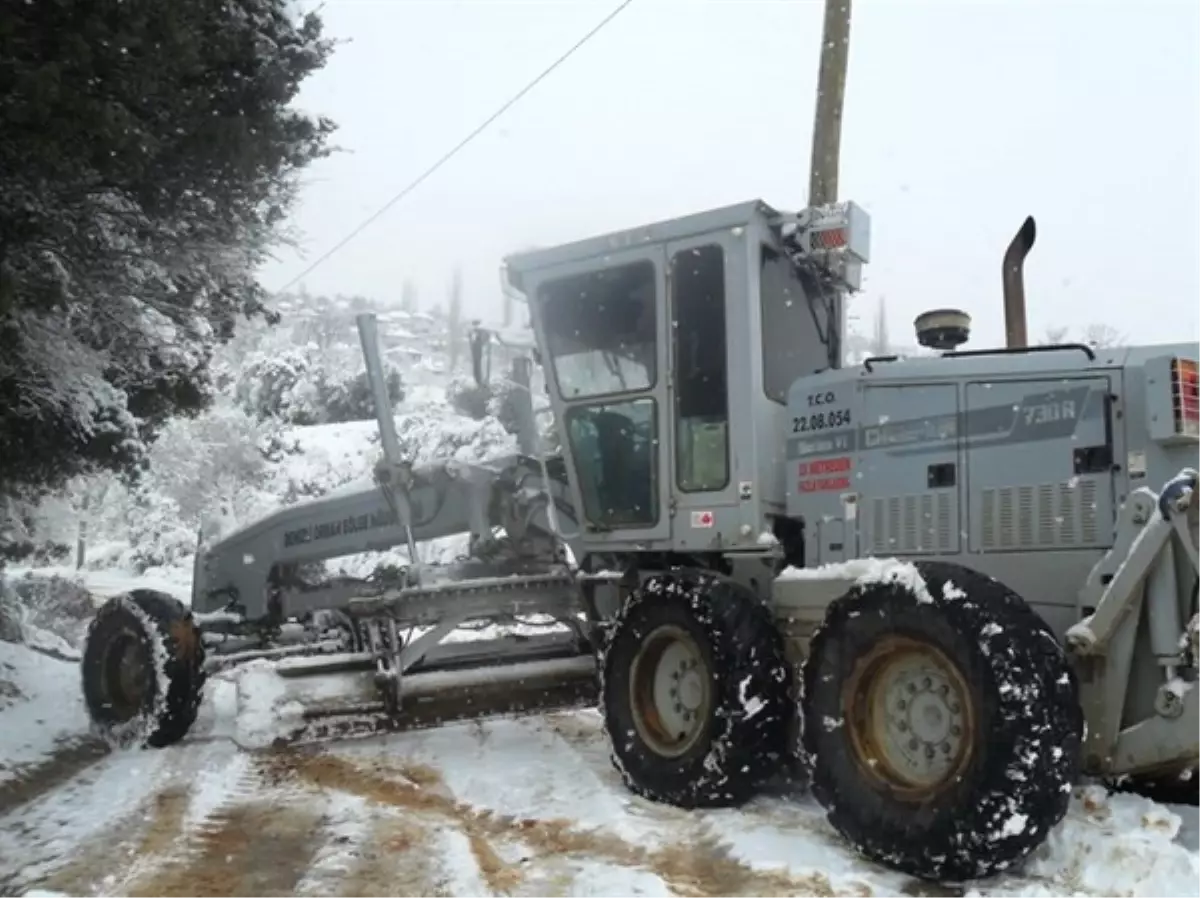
x,y
420,179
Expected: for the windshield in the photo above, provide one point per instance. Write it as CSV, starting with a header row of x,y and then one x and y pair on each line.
x,y
600,330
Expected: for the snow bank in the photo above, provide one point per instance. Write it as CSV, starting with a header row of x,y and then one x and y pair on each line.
x,y
50,613
1108,844
41,708
265,710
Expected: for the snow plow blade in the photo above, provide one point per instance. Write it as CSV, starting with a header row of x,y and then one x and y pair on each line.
x,y
335,697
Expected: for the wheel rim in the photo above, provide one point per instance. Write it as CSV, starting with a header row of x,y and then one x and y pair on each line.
x,y
910,718
670,691
125,675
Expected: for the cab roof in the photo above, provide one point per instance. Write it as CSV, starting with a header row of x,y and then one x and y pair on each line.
x,y
739,214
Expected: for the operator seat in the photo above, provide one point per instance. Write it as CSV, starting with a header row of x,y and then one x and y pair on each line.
x,y
626,478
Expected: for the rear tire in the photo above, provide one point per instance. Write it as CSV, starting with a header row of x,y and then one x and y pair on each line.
x,y
695,691
142,670
943,728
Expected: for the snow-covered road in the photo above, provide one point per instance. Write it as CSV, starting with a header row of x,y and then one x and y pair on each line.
x,y
502,807
526,806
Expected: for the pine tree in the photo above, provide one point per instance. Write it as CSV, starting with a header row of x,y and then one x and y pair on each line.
x,y
148,157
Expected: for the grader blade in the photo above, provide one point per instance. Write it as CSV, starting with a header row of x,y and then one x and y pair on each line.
x,y
345,700
347,705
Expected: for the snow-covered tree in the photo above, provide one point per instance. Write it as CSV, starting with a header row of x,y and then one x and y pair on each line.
x,y
1099,334
278,385
298,386
1096,334
148,159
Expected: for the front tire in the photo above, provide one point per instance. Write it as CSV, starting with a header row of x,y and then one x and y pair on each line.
x,y
142,670
942,722
695,691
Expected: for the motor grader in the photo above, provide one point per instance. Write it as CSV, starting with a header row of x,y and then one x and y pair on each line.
x,y
945,588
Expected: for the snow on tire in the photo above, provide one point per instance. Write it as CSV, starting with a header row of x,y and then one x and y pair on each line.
x,y
142,670
942,723
695,691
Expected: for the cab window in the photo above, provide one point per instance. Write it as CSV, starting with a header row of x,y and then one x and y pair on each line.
x,y
600,330
701,370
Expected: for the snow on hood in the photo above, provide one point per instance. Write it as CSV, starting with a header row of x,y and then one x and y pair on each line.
x,y
865,570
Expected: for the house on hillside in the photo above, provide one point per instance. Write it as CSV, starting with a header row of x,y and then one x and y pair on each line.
x,y
401,341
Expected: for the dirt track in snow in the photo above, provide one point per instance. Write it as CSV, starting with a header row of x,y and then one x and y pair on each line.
x,y
529,807
207,818
66,762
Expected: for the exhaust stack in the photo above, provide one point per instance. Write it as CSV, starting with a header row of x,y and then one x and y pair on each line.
x,y
1012,274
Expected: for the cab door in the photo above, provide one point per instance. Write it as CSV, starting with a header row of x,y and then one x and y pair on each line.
x,y
704,481
601,324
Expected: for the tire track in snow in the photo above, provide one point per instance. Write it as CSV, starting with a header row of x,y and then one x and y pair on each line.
x,y
91,813
68,761
145,831
396,857
366,850
345,829
407,788
143,835
185,809
75,835
697,864
240,835
717,836
248,849
91,808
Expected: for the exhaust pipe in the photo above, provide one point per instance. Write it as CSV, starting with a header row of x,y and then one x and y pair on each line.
x,y
1012,276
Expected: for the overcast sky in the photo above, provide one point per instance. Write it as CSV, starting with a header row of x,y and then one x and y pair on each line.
x,y
962,117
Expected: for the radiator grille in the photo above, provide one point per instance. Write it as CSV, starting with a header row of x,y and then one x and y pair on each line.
x,y
915,524
1040,516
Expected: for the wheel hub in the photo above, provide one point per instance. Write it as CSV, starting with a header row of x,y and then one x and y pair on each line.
x,y
670,691
691,691
923,724
125,675
911,716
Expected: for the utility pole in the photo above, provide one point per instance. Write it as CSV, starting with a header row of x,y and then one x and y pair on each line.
x,y
831,95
